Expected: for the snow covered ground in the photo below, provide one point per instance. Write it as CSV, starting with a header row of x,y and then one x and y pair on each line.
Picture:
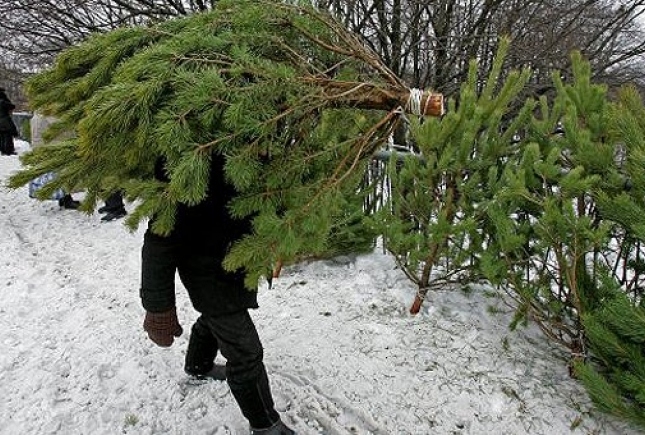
x,y
343,354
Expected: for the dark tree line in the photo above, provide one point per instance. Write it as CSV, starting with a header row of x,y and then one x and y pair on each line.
x,y
427,42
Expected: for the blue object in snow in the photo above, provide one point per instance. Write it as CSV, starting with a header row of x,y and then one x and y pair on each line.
x,y
37,183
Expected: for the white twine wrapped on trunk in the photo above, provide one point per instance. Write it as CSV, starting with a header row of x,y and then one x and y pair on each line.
x,y
415,100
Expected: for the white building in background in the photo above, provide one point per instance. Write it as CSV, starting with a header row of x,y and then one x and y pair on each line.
x,y
39,124
21,120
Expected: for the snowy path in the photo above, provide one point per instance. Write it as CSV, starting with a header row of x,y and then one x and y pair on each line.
x,y
344,356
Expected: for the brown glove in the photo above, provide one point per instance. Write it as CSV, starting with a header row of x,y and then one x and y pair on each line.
x,y
162,327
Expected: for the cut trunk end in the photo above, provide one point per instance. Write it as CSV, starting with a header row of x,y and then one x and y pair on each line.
x,y
432,104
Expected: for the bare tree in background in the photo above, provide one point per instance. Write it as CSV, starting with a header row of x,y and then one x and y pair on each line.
x,y
32,32
607,33
41,28
430,42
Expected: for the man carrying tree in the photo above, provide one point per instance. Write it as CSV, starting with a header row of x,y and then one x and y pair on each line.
x,y
195,248
243,81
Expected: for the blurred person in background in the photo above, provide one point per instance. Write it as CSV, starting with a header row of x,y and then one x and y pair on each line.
x,y
8,129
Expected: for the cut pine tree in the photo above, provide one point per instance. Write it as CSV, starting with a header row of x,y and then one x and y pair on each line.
x,y
295,101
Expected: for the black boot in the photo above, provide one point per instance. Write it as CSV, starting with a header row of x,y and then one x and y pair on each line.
x,y
68,202
114,207
113,215
278,428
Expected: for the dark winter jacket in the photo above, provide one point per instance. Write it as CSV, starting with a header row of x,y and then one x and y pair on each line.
x,y
7,125
201,237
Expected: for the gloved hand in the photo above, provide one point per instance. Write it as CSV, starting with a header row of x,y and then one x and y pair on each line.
x,y
162,328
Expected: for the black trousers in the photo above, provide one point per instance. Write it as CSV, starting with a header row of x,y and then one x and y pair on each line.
x,y
236,337
6,144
